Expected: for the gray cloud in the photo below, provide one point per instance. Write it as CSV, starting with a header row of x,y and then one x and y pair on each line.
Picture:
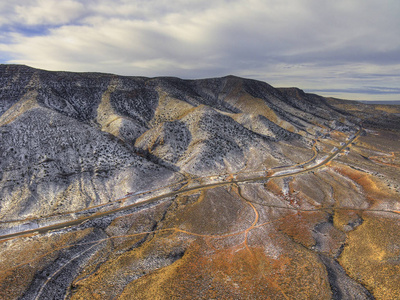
x,y
366,90
314,44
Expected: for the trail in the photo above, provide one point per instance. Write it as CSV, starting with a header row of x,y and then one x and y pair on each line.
x,y
181,190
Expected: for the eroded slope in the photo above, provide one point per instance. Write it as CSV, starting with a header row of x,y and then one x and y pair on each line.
x,y
236,190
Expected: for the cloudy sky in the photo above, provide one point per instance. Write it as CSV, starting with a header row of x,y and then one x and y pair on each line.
x,y
341,48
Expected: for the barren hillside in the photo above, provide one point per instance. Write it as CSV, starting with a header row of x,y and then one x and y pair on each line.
x,y
116,187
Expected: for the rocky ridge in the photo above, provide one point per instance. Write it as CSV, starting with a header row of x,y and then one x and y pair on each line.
x,y
215,188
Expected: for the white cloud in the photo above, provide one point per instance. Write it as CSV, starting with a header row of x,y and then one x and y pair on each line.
x,y
48,12
305,42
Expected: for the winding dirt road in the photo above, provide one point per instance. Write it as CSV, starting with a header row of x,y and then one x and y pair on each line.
x,y
184,189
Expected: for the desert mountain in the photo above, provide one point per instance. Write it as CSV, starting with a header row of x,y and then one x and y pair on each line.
x,y
163,188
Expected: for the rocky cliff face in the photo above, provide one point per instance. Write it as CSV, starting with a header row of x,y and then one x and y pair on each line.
x,y
147,188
